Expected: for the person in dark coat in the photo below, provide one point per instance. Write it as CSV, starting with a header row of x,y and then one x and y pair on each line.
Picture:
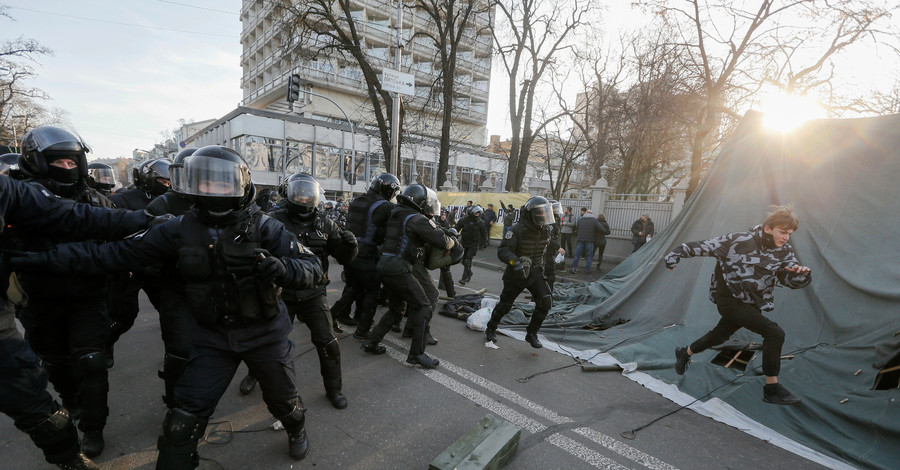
x,y
586,229
489,217
230,259
23,382
509,218
445,281
641,229
600,239
471,229
410,230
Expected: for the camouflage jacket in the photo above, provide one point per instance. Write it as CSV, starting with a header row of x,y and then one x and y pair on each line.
x,y
748,266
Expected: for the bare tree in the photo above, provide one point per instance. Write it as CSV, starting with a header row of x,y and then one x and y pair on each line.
x,y
452,23
732,51
20,104
314,28
530,36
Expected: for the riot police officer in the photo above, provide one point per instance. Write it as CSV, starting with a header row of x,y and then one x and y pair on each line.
x,y
101,177
23,382
472,231
230,259
151,179
65,319
173,201
301,216
556,237
522,251
410,230
367,220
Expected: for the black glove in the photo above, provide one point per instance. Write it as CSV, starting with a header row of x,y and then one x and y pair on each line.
x,y
269,268
159,220
25,260
349,238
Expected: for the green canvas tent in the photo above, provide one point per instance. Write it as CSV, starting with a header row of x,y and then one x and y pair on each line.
x,y
842,349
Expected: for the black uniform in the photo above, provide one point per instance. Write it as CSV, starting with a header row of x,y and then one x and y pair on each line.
x,y
238,317
323,237
525,240
403,272
471,229
66,324
550,257
23,383
367,219
171,202
446,278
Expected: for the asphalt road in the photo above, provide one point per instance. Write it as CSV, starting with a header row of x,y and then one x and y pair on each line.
x,y
401,417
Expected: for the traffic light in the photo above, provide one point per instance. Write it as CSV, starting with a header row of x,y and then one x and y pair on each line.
x,y
293,88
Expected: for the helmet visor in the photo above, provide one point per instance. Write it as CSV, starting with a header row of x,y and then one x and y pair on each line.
x,y
206,176
161,168
542,214
304,193
46,136
103,175
433,205
557,209
175,172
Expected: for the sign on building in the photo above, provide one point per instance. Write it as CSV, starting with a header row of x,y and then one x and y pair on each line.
x,y
399,82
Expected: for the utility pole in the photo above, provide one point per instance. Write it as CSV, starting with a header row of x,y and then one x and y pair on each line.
x,y
395,114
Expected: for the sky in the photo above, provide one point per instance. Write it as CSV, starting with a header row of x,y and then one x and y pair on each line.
x,y
126,71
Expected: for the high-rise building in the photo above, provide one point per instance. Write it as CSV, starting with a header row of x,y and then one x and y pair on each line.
x,y
267,68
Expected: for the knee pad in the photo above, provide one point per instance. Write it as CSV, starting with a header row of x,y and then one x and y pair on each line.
x,y
91,365
181,428
544,303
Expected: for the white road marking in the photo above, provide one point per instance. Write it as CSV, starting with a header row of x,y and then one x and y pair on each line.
x,y
610,443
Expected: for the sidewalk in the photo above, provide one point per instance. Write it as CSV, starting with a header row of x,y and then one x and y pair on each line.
x,y
487,258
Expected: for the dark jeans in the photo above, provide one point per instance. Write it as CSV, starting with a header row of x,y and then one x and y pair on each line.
x,y
736,315
585,249
600,247
567,241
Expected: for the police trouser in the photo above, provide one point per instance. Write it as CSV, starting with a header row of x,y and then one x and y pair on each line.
x,y
420,294
314,313
447,281
512,287
123,300
176,326
349,296
69,337
362,274
467,262
24,396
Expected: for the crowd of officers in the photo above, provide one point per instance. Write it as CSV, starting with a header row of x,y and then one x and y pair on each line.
x,y
227,280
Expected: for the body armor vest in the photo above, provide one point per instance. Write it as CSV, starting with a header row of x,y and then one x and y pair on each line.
x,y
313,235
396,240
218,270
533,242
359,221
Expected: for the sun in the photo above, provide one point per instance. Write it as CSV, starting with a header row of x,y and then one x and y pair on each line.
x,y
785,112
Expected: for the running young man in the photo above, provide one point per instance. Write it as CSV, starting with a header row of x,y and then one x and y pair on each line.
x,y
747,266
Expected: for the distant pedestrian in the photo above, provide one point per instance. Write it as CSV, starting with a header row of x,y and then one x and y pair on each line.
x,y
508,219
600,239
586,227
641,231
489,217
567,231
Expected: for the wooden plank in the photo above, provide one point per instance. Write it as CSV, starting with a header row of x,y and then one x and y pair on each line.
x,y
488,445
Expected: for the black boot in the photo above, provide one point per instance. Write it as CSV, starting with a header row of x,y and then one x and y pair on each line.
x,y
532,339
247,384
347,320
78,462
776,394
337,327
396,326
337,399
178,442
373,348
429,340
298,442
92,443
330,368
423,360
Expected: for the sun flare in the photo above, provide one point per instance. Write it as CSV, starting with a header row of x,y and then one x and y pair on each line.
x,y
783,112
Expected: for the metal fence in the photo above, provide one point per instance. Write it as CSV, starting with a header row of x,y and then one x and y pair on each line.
x,y
575,204
622,213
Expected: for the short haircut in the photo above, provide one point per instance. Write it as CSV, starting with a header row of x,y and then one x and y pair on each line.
x,y
782,217
584,209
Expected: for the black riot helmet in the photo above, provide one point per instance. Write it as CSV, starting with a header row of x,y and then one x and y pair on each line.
x,y
217,180
101,176
9,161
387,185
44,145
147,174
177,165
302,193
475,212
538,210
420,198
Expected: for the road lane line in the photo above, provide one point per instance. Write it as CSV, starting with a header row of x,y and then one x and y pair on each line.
x,y
610,443
590,456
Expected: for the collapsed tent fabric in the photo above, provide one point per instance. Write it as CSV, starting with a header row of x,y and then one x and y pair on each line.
x,y
843,178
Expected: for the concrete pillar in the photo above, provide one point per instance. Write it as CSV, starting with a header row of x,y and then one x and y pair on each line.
x,y
599,195
448,184
678,197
